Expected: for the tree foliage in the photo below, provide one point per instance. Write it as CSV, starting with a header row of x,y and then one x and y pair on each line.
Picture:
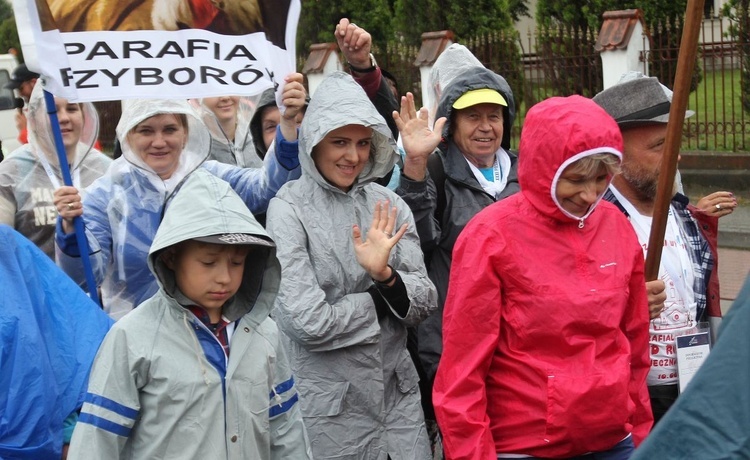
x,y
588,13
469,19
413,17
319,18
8,31
406,20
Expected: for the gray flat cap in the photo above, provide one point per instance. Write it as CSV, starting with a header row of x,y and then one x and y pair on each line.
x,y
641,101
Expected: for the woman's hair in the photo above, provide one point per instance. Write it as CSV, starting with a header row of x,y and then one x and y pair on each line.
x,y
587,166
182,119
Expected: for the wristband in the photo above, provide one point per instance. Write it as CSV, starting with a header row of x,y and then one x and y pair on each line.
x,y
385,282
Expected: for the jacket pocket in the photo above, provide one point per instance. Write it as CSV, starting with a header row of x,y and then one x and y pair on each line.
x,y
406,375
322,399
588,412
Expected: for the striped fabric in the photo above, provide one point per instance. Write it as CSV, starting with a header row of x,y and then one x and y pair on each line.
x,y
285,396
108,415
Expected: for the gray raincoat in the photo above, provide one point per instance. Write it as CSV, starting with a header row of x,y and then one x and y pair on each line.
x,y
31,174
358,385
123,209
161,385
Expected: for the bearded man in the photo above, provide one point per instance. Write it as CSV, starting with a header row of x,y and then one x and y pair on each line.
x,y
688,265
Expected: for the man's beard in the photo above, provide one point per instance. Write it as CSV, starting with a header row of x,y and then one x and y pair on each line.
x,y
644,184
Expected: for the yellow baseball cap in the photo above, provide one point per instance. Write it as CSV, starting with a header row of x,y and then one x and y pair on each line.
x,y
479,96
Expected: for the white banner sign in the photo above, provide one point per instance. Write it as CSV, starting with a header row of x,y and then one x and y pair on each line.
x,y
97,50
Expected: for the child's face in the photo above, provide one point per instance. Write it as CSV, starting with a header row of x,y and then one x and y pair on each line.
x,y
208,274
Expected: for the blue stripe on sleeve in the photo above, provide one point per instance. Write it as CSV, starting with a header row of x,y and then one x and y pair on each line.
x,y
104,424
283,387
283,407
111,405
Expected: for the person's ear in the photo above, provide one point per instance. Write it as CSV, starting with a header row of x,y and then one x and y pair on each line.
x,y
168,257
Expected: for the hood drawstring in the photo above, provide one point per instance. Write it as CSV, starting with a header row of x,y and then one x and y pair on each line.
x,y
197,349
278,401
276,397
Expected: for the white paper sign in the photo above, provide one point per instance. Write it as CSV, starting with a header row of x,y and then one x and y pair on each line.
x,y
96,51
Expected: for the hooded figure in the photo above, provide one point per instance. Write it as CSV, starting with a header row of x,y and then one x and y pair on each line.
x,y
162,386
267,101
123,209
452,62
459,194
49,333
238,149
30,175
358,386
546,323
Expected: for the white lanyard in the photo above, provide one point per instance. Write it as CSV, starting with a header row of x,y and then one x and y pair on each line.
x,y
502,162
76,176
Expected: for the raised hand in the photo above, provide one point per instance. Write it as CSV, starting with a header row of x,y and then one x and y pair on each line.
x,y
418,139
373,253
354,42
293,99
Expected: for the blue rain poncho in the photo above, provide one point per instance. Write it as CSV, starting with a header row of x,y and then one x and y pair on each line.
x,y
50,333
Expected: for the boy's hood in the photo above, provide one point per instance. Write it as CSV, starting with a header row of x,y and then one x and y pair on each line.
x,y
204,206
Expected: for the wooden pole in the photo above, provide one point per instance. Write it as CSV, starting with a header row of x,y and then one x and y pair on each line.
x,y
665,187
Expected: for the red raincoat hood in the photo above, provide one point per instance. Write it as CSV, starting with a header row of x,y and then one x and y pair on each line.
x,y
557,132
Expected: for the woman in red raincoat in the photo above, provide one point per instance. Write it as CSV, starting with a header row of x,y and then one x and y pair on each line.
x,y
546,321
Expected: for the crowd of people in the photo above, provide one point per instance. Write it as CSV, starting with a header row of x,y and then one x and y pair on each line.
x,y
351,277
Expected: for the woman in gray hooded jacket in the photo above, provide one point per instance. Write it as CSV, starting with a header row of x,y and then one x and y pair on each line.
x,y
346,300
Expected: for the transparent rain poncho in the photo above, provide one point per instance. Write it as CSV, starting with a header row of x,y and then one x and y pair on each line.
x,y
30,174
451,63
123,209
240,150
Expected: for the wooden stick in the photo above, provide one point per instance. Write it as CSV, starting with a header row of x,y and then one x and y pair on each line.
x,y
665,187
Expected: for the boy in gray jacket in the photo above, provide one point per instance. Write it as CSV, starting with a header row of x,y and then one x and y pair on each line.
x,y
197,370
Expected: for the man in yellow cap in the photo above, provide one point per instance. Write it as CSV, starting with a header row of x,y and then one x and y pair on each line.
x,y
471,169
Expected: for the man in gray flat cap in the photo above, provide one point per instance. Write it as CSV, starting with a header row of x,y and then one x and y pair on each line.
x,y
688,266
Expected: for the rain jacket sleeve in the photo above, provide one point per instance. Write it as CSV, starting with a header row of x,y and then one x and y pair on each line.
x,y
408,262
306,316
471,328
111,405
632,326
288,434
421,197
256,186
